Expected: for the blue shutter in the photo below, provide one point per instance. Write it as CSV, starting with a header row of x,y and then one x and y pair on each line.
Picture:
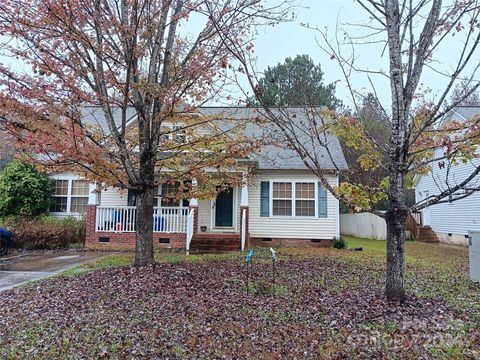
x,y
322,201
132,197
265,199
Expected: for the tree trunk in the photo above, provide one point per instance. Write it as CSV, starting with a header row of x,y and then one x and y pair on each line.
x,y
144,242
394,288
395,219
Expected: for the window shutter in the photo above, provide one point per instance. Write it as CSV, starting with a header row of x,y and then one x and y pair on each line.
x,y
264,199
132,197
322,201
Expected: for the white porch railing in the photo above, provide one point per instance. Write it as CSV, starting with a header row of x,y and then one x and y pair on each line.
x,y
123,219
190,224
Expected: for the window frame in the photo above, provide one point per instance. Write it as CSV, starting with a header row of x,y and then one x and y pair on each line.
x,y
177,132
69,195
314,199
294,198
182,203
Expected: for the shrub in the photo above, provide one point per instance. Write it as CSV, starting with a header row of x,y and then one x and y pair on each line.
x,y
46,232
24,191
339,243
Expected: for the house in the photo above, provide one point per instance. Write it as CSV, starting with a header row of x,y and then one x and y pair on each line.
x,y
282,202
451,221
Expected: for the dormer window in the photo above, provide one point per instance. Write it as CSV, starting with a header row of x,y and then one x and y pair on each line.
x,y
175,133
180,134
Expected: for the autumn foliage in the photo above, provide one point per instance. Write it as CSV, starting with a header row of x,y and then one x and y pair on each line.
x,y
159,60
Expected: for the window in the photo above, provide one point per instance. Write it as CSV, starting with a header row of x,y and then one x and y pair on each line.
x,y
60,196
282,199
180,134
177,133
168,193
291,198
70,196
305,199
79,199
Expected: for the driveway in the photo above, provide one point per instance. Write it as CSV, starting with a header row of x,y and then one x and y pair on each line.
x,y
19,269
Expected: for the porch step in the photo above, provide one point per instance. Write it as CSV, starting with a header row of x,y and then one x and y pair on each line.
x,y
208,242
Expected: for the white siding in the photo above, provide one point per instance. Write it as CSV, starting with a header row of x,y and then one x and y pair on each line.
x,y
288,227
271,227
113,197
459,216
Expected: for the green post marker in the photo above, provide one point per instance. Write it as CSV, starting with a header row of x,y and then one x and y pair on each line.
x,y
248,260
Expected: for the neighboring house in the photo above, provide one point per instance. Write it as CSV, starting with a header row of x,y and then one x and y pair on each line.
x,y
283,203
451,221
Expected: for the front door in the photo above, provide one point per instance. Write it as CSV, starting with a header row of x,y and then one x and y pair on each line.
x,y
224,209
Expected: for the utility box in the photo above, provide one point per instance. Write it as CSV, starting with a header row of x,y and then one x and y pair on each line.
x,y
474,255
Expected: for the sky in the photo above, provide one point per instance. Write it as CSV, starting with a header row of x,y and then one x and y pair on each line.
x,y
274,44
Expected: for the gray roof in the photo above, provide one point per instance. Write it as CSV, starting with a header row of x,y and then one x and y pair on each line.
x,y
275,154
462,113
94,115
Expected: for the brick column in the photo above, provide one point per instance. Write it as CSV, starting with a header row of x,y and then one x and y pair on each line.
x,y
195,217
91,219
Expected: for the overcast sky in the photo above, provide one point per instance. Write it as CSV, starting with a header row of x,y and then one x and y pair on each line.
x,y
274,44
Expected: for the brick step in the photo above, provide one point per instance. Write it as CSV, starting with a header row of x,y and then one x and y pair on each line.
x,y
211,251
215,236
209,247
216,241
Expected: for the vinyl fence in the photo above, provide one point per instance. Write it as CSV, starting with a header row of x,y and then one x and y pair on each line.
x,y
364,225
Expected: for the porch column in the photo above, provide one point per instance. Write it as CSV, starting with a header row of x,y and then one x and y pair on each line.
x,y
194,206
93,194
91,216
244,213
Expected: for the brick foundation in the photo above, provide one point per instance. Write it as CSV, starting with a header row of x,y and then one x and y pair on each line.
x,y
292,242
126,241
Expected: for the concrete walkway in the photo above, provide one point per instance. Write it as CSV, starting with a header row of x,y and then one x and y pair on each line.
x,y
19,269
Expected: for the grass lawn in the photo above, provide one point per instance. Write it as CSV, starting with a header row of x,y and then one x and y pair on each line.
x,y
323,303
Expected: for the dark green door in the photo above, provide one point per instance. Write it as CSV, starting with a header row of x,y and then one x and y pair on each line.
x,y
224,208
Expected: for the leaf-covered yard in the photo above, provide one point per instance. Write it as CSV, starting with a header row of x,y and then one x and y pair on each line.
x,y
324,303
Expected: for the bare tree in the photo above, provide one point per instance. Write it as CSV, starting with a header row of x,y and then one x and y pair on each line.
x,y
411,33
458,95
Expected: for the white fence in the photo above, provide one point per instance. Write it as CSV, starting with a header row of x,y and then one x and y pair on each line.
x,y
123,219
364,225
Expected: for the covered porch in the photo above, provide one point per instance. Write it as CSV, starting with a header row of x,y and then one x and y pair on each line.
x,y
220,223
